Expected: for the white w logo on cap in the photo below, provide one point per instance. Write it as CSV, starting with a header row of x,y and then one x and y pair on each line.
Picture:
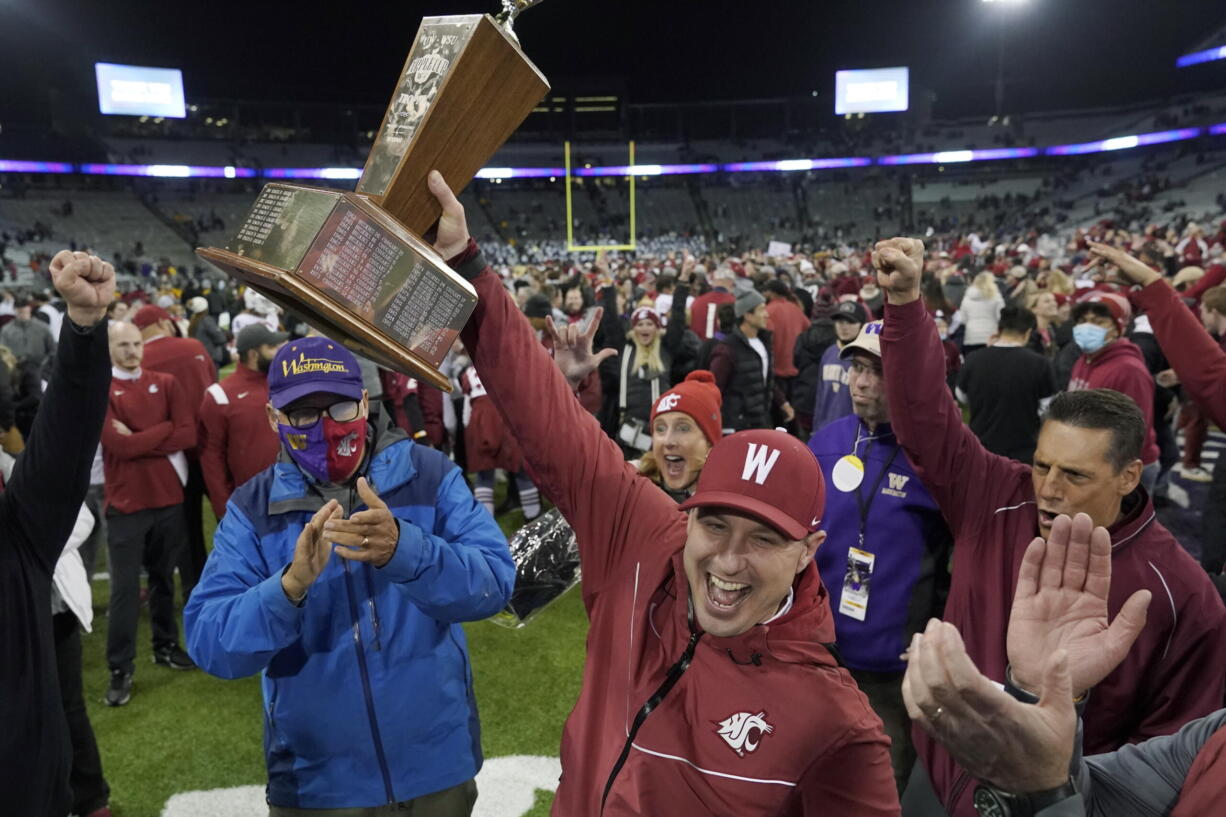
x,y
759,460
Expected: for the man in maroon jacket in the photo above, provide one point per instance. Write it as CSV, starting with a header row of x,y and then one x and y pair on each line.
x,y
149,425
1111,361
705,309
707,688
1200,363
189,363
1087,460
236,442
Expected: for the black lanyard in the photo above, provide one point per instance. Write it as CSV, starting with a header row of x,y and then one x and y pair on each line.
x,y
860,502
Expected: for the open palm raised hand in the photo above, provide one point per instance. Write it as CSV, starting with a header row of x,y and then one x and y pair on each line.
x,y
1061,604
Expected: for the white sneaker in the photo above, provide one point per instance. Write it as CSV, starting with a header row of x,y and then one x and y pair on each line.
x,y
1196,474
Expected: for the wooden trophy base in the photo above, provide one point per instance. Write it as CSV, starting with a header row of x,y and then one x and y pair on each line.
x,y
350,270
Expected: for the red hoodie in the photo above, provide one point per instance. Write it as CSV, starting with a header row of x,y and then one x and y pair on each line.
x,y
765,723
1199,361
1121,366
1175,672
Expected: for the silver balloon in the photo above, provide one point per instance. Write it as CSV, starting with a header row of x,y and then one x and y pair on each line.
x,y
546,566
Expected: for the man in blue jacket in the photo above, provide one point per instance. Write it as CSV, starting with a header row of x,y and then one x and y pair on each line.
x,y
368,698
887,548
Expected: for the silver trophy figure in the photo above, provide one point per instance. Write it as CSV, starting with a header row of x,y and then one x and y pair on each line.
x,y
512,9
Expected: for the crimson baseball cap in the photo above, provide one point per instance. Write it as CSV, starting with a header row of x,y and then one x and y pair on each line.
x,y
311,365
148,315
769,475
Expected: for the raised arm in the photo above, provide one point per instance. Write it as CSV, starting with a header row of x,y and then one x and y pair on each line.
x,y
52,476
1191,351
615,512
963,475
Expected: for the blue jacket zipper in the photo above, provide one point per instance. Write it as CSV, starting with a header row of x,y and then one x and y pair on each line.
x,y
370,701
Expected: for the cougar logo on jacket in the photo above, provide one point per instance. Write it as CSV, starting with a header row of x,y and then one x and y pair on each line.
x,y
743,732
345,447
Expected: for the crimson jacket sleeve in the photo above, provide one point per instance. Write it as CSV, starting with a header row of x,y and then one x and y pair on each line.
x,y
960,473
50,479
618,515
1214,276
431,400
856,780
138,444
183,417
721,367
1199,362
213,442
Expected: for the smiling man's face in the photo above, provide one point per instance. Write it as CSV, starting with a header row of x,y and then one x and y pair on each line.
x,y
739,569
1073,473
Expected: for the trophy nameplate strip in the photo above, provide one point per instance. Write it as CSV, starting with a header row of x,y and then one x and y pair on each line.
x,y
281,224
382,280
439,43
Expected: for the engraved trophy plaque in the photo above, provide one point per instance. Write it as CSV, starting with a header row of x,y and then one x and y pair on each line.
x,y
354,265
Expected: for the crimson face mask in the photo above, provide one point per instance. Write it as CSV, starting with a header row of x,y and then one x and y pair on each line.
x,y
328,450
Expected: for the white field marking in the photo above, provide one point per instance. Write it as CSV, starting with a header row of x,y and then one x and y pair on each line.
x,y
506,787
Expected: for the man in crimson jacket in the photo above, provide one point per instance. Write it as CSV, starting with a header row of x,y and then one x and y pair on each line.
x,y
149,425
38,508
1200,362
235,441
190,364
995,506
704,310
1023,745
707,687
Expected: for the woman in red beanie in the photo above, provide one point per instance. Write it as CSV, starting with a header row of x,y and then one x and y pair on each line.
x,y
685,423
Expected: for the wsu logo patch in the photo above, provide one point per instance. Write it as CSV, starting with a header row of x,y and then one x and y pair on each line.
x,y
743,732
348,445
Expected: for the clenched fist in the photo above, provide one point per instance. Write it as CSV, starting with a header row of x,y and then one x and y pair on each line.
x,y
87,284
899,263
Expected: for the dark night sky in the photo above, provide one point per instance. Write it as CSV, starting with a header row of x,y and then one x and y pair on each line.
x,y
1058,53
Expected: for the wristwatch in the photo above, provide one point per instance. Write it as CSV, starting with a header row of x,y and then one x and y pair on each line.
x,y
992,802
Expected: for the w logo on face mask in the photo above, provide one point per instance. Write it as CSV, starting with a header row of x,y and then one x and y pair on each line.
x,y
743,732
759,461
898,482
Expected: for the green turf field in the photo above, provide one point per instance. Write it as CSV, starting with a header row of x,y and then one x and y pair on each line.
x,y
188,731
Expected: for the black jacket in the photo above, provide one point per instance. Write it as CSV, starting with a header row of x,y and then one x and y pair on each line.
x,y
748,399
37,512
810,346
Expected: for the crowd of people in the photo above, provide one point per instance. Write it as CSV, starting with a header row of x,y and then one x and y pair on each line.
x,y
867,531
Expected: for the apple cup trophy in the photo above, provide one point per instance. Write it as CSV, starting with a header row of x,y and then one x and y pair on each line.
x,y
355,265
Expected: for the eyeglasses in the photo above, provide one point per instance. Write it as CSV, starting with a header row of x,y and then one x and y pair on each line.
x,y
862,369
346,411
